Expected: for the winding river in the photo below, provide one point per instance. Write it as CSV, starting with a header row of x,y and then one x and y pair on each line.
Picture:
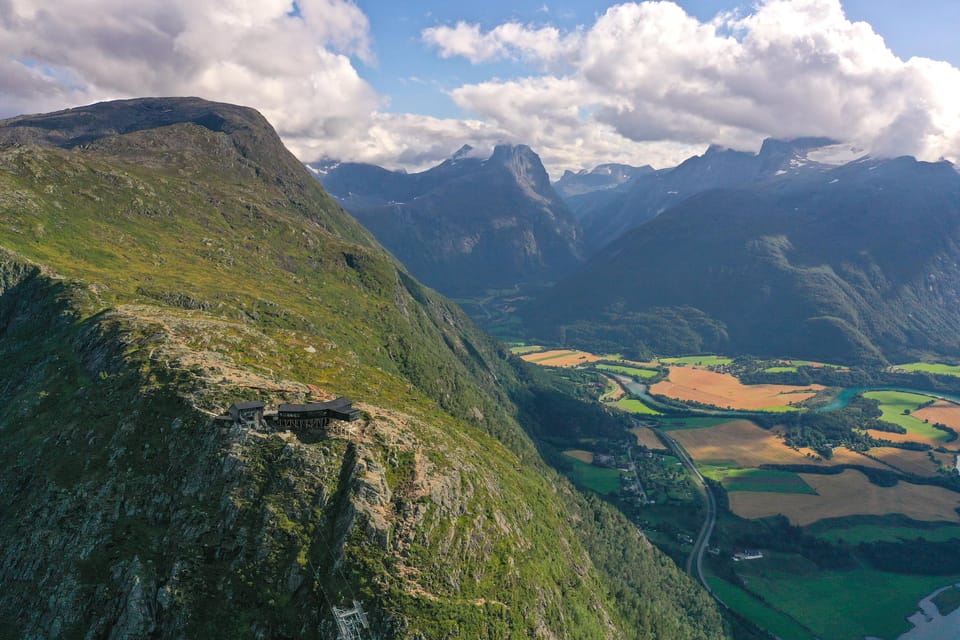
x,y
846,395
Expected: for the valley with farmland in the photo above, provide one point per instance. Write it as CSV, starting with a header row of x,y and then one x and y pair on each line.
x,y
832,483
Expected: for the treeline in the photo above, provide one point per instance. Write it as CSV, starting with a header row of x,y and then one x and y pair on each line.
x,y
752,370
917,556
777,534
824,431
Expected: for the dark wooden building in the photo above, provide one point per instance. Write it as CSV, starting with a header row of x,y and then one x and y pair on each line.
x,y
316,414
249,414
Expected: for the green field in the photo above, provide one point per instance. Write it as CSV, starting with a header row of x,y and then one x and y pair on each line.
x,y
629,371
810,363
598,479
632,405
783,408
699,361
947,601
756,611
780,370
734,478
873,603
894,403
523,349
930,367
857,533
676,424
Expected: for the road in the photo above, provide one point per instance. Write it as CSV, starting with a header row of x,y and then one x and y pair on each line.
x,y
695,561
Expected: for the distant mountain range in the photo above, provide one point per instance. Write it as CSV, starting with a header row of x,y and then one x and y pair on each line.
x,y
607,214
850,263
467,225
604,177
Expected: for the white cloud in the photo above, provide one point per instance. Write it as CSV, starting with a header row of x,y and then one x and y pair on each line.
x,y
506,41
664,82
644,83
293,68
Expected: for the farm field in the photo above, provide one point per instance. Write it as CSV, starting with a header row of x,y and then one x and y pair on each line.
x,y
916,462
847,494
561,358
675,424
942,411
909,437
736,478
613,390
756,611
524,349
744,443
698,361
854,533
635,363
647,438
579,454
597,479
930,367
726,391
781,369
628,371
875,603
632,405
894,403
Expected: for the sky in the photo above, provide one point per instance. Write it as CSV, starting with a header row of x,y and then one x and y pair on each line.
x,y
405,84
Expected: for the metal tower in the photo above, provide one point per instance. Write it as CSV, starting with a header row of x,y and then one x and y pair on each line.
x,y
351,623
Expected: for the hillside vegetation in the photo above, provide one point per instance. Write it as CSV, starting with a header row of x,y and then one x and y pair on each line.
x,y
164,258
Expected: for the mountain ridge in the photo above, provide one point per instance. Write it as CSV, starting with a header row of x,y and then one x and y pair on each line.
x,y
468,224
151,278
821,266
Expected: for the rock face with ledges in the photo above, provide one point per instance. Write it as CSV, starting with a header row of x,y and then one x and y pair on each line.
x,y
467,225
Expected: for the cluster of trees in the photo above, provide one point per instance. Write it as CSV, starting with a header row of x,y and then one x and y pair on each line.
x,y
824,431
917,556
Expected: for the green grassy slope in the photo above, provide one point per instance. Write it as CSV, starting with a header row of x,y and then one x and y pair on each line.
x,y
151,278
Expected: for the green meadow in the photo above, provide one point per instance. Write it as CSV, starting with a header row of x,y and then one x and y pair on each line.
x,y
735,478
598,479
698,361
632,405
629,371
938,368
897,407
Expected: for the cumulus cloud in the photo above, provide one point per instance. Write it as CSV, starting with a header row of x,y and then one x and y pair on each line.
x,y
643,83
507,41
664,82
288,60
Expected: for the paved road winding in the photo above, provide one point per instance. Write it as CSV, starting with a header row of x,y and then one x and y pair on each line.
x,y
695,560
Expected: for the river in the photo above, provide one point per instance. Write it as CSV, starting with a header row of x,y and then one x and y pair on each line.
x,y
928,624
846,395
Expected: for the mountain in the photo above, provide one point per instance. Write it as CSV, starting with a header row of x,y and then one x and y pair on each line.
x,y
605,216
603,177
162,259
856,263
467,225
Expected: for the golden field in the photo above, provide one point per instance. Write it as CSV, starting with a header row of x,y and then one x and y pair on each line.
x,y
847,494
726,391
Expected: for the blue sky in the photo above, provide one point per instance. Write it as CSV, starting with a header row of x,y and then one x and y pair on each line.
x,y
405,84
415,79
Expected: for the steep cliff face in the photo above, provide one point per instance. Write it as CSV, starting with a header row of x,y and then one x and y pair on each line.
x,y
468,224
153,274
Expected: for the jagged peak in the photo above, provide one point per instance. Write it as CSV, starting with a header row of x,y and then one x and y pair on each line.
x,y
462,152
